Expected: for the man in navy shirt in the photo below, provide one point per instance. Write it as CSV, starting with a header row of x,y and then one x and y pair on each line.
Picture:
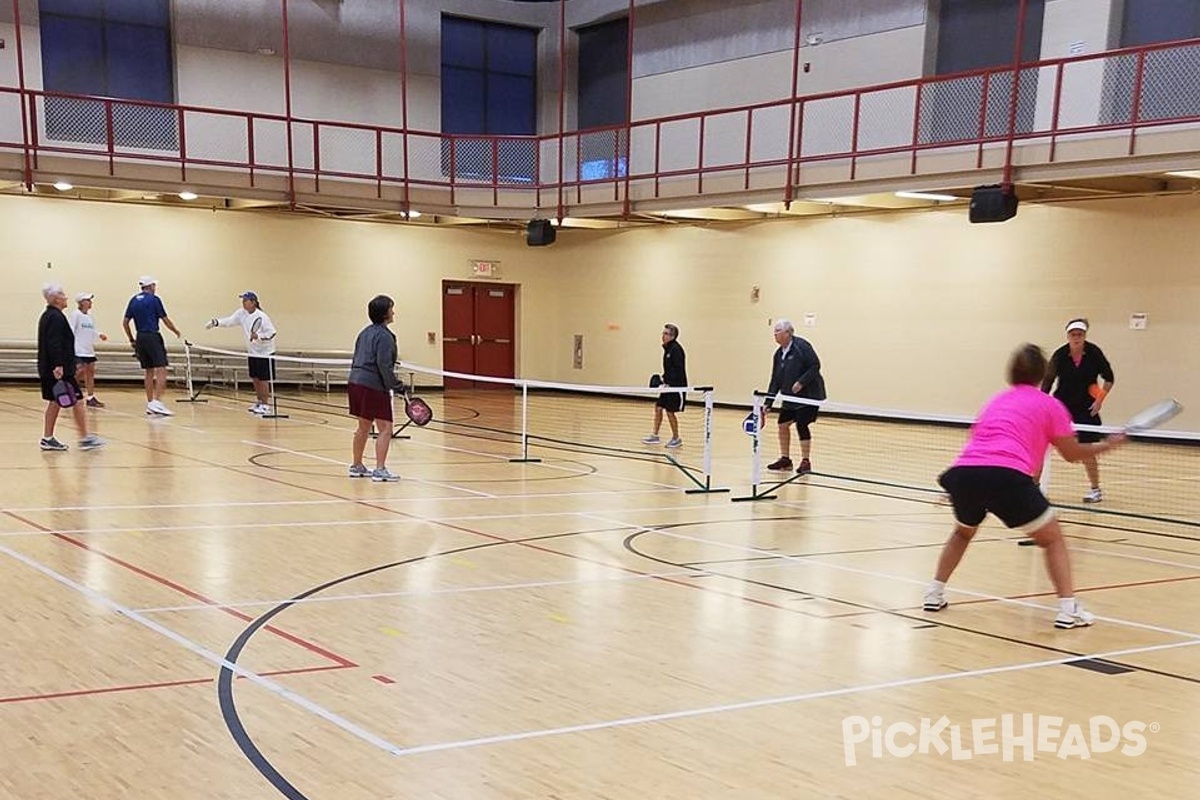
x,y
145,309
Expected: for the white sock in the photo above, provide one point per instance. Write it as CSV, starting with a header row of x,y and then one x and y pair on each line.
x,y
1066,605
937,586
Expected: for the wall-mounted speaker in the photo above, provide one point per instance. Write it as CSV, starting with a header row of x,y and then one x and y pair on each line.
x,y
993,203
539,233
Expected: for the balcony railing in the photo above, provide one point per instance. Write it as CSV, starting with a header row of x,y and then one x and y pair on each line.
x,y
780,146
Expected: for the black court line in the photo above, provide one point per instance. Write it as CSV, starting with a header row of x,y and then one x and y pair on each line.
x,y
1103,666
923,618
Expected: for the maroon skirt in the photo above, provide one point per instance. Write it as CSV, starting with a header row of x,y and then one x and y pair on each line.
x,y
368,403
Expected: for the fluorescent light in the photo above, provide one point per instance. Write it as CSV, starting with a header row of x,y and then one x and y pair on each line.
x,y
414,214
63,186
944,198
186,195
1193,174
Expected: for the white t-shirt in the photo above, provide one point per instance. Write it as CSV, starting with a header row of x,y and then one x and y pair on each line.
x,y
84,328
264,345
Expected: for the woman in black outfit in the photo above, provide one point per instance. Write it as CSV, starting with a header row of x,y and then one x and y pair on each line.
x,y
1084,379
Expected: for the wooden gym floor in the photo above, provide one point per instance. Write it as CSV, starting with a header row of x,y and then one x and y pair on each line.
x,y
210,608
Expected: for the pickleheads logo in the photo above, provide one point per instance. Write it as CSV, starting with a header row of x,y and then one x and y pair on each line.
x,y
1006,736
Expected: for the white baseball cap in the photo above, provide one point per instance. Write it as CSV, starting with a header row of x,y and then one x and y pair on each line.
x,y
1077,325
147,280
79,298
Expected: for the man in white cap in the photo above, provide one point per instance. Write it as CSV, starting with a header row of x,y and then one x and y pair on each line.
x,y
260,342
84,328
145,309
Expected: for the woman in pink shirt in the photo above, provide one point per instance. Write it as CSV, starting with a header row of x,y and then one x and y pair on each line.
x,y
995,472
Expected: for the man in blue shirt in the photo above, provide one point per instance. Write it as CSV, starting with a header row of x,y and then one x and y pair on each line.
x,y
145,309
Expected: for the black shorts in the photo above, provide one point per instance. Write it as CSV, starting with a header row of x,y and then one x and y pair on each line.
x,y
801,415
670,401
48,382
1082,416
1010,494
150,349
262,368
84,360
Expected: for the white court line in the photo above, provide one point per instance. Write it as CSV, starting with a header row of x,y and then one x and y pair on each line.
x,y
347,501
1164,561
343,463
694,572
268,684
581,473
775,701
811,561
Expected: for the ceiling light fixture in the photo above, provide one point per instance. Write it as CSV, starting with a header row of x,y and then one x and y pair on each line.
x,y
414,214
186,195
63,186
941,198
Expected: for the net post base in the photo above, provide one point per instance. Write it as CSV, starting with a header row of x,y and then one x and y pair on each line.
x,y
707,490
524,461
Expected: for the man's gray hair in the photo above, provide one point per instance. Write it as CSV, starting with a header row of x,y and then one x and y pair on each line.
x,y
785,325
51,289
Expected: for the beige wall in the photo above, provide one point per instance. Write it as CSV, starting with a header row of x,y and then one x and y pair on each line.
x,y
915,311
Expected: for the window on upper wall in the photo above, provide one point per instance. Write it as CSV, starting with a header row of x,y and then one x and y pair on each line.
x,y
603,98
1163,95
489,88
973,35
108,48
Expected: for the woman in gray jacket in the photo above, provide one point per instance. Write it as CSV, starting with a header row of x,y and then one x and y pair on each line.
x,y
370,387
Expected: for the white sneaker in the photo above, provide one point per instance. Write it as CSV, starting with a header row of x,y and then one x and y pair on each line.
x,y
384,475
1094,496
1076,618
935,599
158,407
260,409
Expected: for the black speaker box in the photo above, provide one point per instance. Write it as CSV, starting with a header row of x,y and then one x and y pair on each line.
x,y
539,233
993,203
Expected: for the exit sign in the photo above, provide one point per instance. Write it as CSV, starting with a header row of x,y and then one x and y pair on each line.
x,y
485,269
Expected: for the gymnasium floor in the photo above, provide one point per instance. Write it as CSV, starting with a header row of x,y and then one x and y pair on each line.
x,y
209,608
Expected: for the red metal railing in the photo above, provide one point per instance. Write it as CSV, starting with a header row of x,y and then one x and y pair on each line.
x,y
758,147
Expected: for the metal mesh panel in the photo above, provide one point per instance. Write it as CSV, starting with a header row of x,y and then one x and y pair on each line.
x,y
602,155
1171,84
302,145
10,118
87,122
425,157
347,151
475,161
885,118
270,143
216,137
950,109
678,145
1117,101
828,126
517,160
725,139
769,133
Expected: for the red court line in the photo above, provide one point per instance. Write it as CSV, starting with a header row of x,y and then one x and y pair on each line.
x,y
170,584
135,687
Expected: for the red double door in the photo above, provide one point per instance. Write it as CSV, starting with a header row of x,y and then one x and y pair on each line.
x,y
478,332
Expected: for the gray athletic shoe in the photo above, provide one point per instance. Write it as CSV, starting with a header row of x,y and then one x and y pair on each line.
x,y
50,443
358,471
91,442
384,476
